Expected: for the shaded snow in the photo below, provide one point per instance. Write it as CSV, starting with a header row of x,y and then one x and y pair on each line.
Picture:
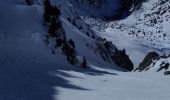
x,y
29,71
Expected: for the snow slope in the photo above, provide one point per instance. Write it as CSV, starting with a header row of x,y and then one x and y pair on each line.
x,y
25,62
29,71
124,86
28,67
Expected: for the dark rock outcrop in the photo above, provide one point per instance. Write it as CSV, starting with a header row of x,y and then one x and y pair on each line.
x,y
110,53
122,59
148,60
167,73
29,2
163,66
92,3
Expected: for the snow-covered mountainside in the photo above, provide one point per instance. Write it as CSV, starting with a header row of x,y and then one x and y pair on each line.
x,y
147,27
49,52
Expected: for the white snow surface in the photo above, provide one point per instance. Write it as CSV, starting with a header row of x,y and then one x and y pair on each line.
x,y
124,86
29,71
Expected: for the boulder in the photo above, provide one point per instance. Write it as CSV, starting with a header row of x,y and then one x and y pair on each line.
x,y
167,73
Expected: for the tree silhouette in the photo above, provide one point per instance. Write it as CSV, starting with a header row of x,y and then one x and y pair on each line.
x,y
50,11
29,2
84,63
47,11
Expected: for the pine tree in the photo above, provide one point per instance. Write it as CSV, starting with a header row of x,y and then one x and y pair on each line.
x,y
70,53
51,16
54,27
47,11
50,11
56,12
29,2
84,63
71,42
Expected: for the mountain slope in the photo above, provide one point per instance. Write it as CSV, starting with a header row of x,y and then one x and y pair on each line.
x,y
25,62
145,29
32,70
29,70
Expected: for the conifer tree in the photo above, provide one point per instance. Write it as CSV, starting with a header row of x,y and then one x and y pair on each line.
x,y
50,11
71,42
84,63
51,16
54,27
70,53
29,2
47,11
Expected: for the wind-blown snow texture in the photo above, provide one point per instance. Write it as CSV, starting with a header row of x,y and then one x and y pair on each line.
x,y
29,71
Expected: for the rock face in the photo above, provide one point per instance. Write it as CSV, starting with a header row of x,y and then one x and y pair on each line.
x,y
122,60
102,47
29,2
92,3
97,8
164,66
126,7
167,73
109,9
148,60
110,53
